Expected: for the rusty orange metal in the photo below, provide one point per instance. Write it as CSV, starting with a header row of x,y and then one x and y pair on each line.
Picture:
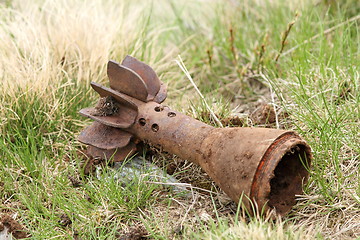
x,y
146,73
263,167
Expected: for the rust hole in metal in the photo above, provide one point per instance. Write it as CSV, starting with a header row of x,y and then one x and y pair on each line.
x,y
171,114
142,121
288,179
155,127
158,108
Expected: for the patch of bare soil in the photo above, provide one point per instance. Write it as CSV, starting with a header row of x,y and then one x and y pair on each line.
x,y
230,121
263,114
136,232
233,121
13,227
75,181
64,220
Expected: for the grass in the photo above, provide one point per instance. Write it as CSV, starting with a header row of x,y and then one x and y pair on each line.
x,y
51,50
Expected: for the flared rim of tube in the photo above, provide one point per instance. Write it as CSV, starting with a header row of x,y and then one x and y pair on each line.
x,y
281,173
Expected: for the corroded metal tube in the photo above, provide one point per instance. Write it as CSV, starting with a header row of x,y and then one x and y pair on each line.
x,y
266,167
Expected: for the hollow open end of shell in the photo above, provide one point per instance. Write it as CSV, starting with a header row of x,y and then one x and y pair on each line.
x,y
281,174
288,179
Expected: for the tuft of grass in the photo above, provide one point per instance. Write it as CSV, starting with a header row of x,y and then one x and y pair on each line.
x,y
255,229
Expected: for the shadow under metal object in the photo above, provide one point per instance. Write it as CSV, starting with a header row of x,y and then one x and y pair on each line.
x,y
266,167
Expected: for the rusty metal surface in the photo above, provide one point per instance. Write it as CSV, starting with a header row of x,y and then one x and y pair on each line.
x,y
122,119
146,73
125,100
173,131
117,154
264,166
126,81
104,137
238,159
161,95
281,173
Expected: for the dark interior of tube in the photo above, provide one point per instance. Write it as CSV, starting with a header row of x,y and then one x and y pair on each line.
x,y
290,174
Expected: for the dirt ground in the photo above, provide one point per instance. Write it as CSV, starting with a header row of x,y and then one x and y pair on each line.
x,y
7,223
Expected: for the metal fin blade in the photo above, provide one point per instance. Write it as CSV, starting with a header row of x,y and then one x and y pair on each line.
x,y
123,119
146,73
120,97
127,81
161,95
105,137
117,154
